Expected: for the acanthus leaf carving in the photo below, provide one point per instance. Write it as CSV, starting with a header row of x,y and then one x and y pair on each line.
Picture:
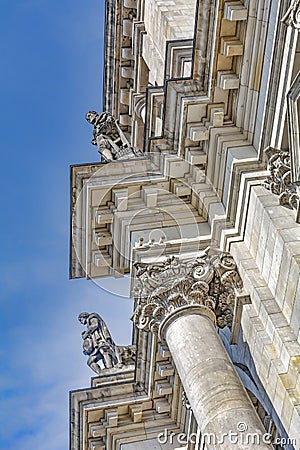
x,y
292,16
279,181
209,281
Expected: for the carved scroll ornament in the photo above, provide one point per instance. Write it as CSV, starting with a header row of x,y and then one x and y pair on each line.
x,y
279,181
209,281
292,16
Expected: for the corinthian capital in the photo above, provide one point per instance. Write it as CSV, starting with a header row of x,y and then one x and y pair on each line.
x,y
209,281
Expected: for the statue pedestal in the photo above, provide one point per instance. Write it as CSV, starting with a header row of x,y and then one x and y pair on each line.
x,y
114,375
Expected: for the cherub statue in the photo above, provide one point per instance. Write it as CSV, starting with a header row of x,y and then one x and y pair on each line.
x,y
109,138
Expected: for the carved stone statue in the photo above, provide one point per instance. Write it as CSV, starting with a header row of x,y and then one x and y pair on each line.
x,y
99,346
109,138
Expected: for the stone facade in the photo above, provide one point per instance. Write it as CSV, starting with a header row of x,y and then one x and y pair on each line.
x,y
208,93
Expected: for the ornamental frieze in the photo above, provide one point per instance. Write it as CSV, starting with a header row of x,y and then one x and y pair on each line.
x,y
209,281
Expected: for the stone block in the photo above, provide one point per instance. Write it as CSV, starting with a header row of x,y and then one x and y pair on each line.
x,y
281,285
124,96
220,95
163,388
235,11
127,72
275,367
279,396
199,134
102,238
276,263
111,418
101,259
131,4
150,197
125,119
291,288
290,234
262,241
218,118
163,351
295,316
120,198
231,46
284,222
227,80
295,426
263,366
224,62
127,27
267,263
162,406
136,413
164,370
103,217
277,343
196,157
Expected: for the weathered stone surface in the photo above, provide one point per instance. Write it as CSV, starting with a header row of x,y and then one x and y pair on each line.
x,y
215,392
209,281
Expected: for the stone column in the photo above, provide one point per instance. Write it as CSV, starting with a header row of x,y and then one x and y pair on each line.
x,y
182,303
217,397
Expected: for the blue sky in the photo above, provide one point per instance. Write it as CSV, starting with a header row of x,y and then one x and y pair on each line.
x,y
51,57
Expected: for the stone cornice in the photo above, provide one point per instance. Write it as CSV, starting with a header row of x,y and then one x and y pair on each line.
x,y
210,281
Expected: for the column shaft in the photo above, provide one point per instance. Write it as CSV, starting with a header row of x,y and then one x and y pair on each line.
x,y
218,398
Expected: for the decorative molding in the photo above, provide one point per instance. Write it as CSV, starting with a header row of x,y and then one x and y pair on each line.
x,y
292,16
211,281
279,181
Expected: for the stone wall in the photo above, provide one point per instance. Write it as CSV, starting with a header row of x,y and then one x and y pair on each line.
x,y
165,21
268,262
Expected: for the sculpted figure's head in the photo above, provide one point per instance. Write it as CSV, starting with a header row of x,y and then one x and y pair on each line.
x,y
91,116
83,317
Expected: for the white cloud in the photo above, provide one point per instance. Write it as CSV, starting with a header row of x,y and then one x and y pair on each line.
x,y
49,362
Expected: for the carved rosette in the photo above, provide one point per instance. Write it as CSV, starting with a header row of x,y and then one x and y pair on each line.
x,y
279,181
292,16
209,281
